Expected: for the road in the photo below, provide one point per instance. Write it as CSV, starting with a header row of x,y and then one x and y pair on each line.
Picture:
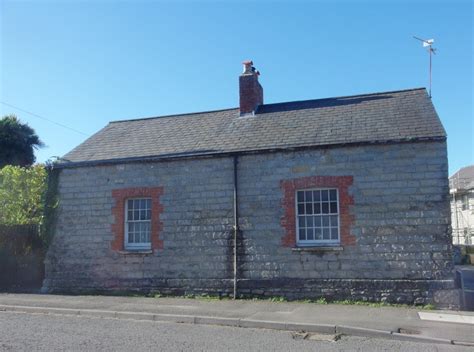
x,y
38,332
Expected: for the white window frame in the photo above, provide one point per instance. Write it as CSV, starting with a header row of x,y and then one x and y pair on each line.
x,y
320,242
140,245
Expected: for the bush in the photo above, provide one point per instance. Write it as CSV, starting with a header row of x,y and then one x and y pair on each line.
x,y
21,194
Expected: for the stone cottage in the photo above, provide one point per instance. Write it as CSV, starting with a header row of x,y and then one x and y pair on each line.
x,y
343,198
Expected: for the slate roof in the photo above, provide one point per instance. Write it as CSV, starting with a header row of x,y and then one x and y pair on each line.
x,y
396,116
463,179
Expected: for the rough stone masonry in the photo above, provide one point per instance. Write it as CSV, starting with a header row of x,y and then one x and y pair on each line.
x,y
398,247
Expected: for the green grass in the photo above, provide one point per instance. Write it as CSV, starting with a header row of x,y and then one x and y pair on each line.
x,y
322,300
383,304
275,299
205,297
428,306
278,299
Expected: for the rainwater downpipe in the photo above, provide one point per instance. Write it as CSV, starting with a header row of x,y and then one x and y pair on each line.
x,y
236,224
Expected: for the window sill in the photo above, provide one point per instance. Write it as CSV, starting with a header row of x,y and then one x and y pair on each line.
x,y
136,252
318,249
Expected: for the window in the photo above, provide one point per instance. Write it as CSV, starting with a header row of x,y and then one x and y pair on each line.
x,y
138,224
317,216
317,184
145,209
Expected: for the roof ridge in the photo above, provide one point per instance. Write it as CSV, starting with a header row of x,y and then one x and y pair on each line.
x,y
172,115
271,104
349,96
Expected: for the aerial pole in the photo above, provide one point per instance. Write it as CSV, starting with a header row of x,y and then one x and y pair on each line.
x,y
428,44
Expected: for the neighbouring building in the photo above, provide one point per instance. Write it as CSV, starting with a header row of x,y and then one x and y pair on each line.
x,y
343,198
461,186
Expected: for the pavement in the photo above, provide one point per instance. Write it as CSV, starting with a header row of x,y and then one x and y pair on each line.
x,y
441,327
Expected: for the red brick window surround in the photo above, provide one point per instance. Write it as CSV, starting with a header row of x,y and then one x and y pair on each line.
x,y
289,218
118,227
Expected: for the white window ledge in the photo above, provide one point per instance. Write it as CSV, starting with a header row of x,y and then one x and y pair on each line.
x,y
318,249
136,252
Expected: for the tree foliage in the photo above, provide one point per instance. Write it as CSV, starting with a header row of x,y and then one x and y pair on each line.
x,y
21,194
18,142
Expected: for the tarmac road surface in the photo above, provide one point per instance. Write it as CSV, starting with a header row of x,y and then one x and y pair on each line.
x,y
40,332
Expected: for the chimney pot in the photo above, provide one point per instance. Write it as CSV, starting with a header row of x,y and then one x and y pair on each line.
x,y
247,66
251,92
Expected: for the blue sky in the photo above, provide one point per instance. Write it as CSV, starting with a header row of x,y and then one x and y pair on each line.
x,y
85,63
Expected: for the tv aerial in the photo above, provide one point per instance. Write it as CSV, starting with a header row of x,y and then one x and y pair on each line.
x,y
428,43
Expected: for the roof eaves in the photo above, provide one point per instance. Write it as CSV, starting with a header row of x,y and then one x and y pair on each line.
x,y
187,155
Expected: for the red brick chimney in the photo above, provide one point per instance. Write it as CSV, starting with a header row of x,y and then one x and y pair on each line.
x,y
251,92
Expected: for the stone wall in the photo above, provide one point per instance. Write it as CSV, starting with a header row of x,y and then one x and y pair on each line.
x,y
399,215
21,258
